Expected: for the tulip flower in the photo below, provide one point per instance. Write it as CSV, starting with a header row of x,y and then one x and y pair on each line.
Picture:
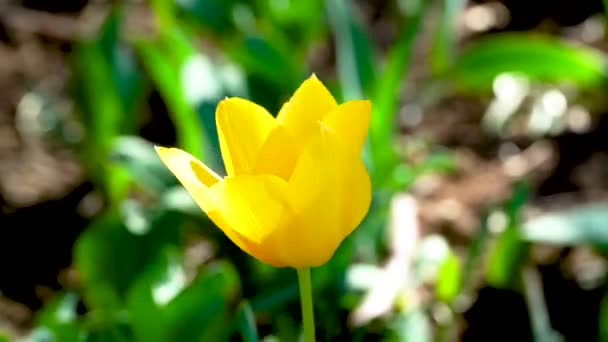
x,y
295,185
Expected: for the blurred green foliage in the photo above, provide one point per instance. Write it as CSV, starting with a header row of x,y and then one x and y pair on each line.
x,y
131,261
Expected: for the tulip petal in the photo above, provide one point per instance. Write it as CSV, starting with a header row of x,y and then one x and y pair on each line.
x,y
258,251
242,129
251,205
195,176
350,121
310,103
278,154
330,193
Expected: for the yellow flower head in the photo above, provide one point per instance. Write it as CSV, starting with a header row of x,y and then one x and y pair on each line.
x,y
296,185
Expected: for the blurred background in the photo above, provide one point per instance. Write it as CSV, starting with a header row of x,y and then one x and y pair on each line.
x,y
488,151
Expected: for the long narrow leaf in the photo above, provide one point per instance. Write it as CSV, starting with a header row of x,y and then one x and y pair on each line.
x,y
541,57
386,96
165,75
353,49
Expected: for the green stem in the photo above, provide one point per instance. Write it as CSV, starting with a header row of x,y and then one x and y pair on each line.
x,y
163,9
308,318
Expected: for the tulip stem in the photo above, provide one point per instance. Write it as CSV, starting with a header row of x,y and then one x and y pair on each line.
x,y
308,319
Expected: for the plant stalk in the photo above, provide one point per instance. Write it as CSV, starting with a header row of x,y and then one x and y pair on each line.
x,y
308,319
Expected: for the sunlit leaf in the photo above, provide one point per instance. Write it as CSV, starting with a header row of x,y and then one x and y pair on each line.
x,y
165,75
138,157
447,286
586,225
540,57
167,307
300,21
431,253
58,320
179,199
506,258
108,257
412,325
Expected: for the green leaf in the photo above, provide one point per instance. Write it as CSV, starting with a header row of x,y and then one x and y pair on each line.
x,y
475,251
161,281
537,307
506,259
108,86
107,82
58,320
386,94
191,84
431,253
299,20
412,325
586,225
354,50
537,56
275,298
103,334
211,15
213,290
101,257
511,250
164,73
138,157
164,13
165,307
603,318
354,54
109,257
245,321
179,199
267,59
442,53
448,281
125,72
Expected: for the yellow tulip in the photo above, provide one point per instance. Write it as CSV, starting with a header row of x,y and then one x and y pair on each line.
x,y
295,184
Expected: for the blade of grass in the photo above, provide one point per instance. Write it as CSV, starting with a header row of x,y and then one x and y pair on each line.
x,y
511,251
353,49
163,10
245,320
189,129
605,3
537,307
386,96
443,45
107,84
354,56
603,315
476,248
